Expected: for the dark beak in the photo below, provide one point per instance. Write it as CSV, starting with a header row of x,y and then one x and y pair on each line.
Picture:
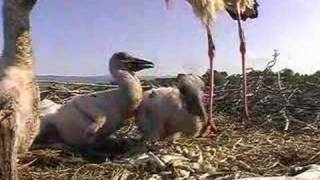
x,y
137,64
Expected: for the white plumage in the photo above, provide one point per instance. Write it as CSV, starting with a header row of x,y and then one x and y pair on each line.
x,y
206,10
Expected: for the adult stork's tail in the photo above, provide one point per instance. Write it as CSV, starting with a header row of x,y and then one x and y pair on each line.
x,y
248,9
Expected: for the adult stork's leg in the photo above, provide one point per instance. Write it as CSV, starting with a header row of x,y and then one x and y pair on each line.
x,y
244,67
211,54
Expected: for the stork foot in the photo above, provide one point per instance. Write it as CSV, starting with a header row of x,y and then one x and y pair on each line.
x,y
210,129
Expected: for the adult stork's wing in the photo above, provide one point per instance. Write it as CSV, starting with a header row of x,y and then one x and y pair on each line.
x,y
249,9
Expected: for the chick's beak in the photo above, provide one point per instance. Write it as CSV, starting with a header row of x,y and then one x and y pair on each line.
x,y
137,64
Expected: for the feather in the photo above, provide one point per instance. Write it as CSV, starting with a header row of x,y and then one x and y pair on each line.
x,y
248,9
206,10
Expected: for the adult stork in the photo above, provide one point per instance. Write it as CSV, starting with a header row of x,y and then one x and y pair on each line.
x,y
206,11
19,97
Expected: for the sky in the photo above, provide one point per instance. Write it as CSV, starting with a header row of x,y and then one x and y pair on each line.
x,y
77,37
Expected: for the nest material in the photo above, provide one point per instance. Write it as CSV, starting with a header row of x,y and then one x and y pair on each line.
x,y
259,147
235,151
278,99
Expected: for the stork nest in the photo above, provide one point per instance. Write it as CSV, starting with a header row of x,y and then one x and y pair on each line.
x,y
283,132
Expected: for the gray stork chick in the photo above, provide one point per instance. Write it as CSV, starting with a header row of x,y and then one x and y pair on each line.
x,y
170,111
87,119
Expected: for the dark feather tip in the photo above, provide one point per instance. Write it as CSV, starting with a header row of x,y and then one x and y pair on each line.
x,y
248,13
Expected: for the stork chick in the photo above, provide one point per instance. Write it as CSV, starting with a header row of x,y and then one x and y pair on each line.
x,y
48,107
87,119
170,111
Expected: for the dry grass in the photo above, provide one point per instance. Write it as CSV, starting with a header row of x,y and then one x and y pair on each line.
x,y
236,150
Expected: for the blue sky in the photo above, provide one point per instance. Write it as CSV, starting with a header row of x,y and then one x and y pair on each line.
x,y
77,37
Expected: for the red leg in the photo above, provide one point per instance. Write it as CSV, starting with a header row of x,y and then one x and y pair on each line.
x,y
211,53
243,58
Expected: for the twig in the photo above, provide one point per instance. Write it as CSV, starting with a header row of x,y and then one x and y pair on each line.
x,y
279,80
28,164
235,144
157,160
301,122
284,115
314,156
